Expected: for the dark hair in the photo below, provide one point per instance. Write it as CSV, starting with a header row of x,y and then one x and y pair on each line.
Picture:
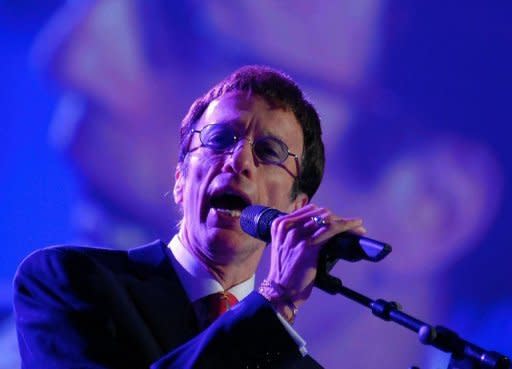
x,y
277,88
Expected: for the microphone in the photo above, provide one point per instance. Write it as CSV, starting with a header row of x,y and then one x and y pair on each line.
x,y
256,221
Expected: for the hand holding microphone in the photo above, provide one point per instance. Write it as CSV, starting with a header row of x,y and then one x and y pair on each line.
x,y
296,241
257,220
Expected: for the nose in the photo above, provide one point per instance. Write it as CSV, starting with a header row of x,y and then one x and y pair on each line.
x,y
241,159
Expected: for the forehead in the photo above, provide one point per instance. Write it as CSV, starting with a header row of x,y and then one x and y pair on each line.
x,y
255,113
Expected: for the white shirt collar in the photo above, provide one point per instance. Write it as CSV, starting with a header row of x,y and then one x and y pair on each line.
x,y
196,279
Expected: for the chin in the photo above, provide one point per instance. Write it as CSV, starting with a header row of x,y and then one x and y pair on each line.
x,y
228,244
227,238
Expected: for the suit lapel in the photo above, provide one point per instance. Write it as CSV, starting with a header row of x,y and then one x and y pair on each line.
x,y
160,297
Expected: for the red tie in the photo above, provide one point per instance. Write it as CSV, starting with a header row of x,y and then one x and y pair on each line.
x,y
210,307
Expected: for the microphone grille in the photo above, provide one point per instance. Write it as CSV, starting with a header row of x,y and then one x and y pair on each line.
x,y
249,219
256,221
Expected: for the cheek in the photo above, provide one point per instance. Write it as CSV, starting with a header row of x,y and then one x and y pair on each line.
x,y
201,165
276,191
199,171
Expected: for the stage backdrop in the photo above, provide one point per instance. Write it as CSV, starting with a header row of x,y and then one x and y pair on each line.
x,y
414,100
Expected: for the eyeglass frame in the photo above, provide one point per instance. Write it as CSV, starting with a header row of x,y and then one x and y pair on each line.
x,y
237,139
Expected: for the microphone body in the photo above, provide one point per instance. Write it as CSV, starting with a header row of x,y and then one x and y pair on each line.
x,y
256,220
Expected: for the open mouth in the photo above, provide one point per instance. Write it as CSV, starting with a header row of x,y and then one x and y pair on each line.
x,y
229,203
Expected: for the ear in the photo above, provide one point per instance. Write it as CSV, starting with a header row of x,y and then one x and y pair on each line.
x,y
178,186
300,201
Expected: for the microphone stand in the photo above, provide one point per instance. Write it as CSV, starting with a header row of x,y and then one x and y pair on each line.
x,y
464,354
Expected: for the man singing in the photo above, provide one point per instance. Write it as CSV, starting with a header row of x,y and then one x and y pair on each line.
x,y
251,139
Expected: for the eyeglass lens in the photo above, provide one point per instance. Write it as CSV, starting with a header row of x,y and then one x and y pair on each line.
x,y
221,137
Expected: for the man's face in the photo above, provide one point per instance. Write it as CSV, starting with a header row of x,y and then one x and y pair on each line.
x,y
215,186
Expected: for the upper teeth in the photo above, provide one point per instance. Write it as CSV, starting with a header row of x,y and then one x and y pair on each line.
x,y
233,213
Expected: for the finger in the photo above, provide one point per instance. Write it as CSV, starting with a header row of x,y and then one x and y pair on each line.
x,y
287,228
318,232
294,232
299,219
288,219
359,230
303,210
312,220
338,226
320,219
346,220
305,214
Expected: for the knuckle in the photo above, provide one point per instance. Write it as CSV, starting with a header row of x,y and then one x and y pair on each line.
x,y
282,225
285,224
311,206
303,244
293,233
274,226
278,224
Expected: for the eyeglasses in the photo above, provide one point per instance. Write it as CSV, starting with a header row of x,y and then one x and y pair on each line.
x,y
267,149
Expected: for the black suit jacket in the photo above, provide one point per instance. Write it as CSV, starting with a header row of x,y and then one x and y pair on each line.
x,y
99,308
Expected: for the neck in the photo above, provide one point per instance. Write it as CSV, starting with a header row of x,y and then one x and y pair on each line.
x,y
230,275
229,266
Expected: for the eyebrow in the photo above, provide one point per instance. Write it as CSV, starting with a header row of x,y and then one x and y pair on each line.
x,y
232,122
239,123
